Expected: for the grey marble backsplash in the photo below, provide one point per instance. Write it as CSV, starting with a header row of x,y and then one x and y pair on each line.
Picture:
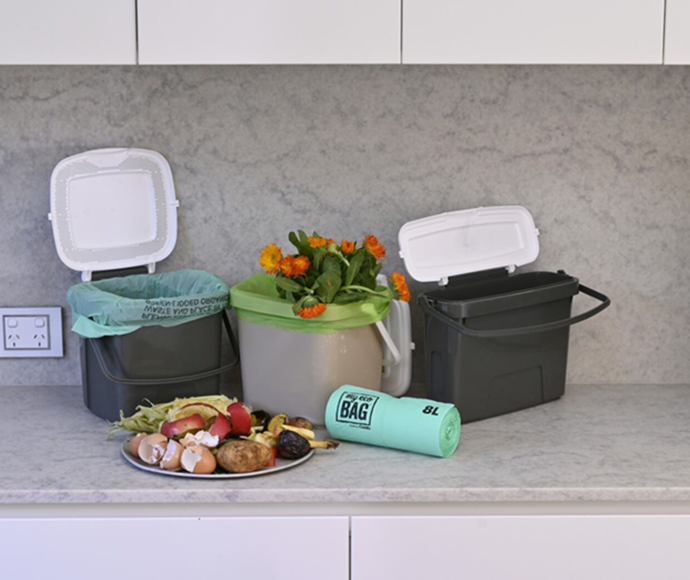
x,y
600,156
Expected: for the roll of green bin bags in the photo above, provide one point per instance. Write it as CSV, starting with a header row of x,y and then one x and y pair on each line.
x,y
417,425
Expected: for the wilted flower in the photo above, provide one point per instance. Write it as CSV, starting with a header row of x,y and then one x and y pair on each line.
x,y
312,311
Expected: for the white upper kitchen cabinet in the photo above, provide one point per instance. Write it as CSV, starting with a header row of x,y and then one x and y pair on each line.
x,y
677,48
269,31
68,32
533,31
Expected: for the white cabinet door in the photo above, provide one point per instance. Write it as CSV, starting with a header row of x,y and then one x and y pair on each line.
x,y
677,49
68,32
287,548
533,31
269,31
521,547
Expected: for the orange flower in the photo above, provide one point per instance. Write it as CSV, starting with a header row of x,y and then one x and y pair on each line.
x,y
375,247
287,266
301,265
270,259
347,247
312,311
317,242
400,286
293,266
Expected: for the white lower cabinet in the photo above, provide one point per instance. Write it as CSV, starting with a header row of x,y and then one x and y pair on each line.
x,y
521,547
288,548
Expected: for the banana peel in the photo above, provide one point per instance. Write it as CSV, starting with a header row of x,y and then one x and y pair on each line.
x,y
323,444
310,436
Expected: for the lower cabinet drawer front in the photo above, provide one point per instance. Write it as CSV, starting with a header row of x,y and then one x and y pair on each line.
x,y
521,547
229,548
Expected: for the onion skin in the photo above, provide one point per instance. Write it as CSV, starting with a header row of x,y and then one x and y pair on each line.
x,y
193,422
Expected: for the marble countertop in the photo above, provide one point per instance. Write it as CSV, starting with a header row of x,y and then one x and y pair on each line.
x,y
598,443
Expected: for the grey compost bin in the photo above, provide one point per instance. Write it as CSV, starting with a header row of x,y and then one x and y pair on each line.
x,y
145,336
496,341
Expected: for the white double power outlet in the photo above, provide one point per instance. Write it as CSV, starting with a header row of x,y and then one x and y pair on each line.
x,y
31,332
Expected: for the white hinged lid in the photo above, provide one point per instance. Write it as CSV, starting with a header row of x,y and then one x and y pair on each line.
x,y
113,209
460,242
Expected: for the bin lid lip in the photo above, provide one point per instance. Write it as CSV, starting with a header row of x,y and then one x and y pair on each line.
x,y
439,247
113,209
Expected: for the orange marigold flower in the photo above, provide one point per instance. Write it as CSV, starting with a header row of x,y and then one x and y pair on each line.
x,y
301,265
400,286
312,311
317,242
374,246
293,266
347,247
287,266
270,259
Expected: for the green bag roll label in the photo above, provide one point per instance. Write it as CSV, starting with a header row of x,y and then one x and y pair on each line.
x,y
417,425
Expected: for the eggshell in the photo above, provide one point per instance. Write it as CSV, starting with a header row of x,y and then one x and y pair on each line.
x,y
152,448
197,459
201,439
172,456
134,443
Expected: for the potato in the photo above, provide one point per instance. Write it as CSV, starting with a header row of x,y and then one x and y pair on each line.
x,y
243,456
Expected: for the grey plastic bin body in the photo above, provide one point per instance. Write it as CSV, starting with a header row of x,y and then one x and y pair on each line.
x,y
153,364
497,343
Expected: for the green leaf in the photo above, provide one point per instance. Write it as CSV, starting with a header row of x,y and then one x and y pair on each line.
x,y
368,281
329,284
353,269
287,284
376,270
289,296
294,240
330,264
348,298
304,248
318,258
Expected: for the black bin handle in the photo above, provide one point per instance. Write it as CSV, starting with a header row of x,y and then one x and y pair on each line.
x,y
185,379
462,329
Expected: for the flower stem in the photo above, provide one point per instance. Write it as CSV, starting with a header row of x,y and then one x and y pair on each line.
x,y
342,258
364,289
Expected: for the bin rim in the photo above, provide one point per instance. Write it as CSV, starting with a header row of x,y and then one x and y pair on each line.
x,y
256,301
567,287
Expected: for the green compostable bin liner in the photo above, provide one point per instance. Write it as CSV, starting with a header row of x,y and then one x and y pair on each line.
x,y
120,305
417,425
256,300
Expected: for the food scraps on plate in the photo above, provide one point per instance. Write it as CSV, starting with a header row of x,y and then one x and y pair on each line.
x,y
203,435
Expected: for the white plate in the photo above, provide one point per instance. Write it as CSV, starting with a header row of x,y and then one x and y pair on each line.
x,y
281,465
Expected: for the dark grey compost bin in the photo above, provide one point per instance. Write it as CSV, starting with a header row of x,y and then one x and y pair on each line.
x,y
496,341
